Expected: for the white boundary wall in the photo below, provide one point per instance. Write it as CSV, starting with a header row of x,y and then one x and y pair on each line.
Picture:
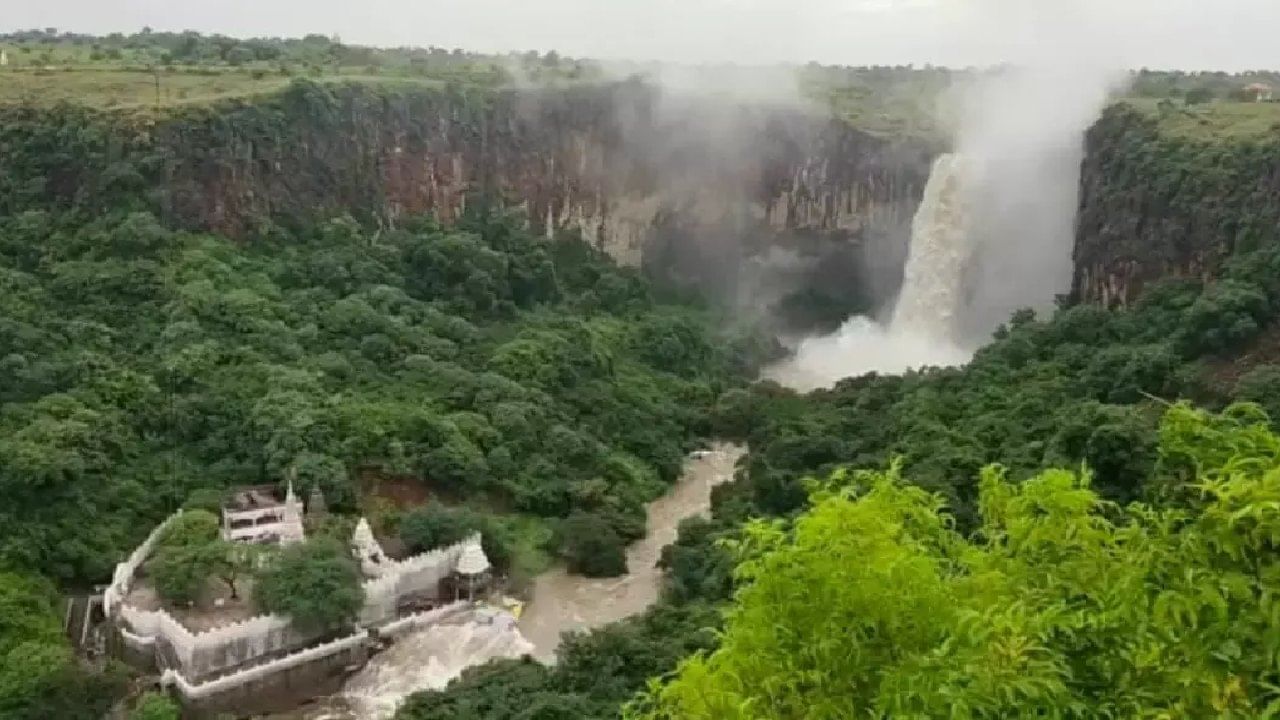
x,y
208,652
396,628
122,578
418,575
423,620
196,691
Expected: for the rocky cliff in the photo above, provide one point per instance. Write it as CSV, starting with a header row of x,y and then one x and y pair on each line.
x,y
1157,204
689,186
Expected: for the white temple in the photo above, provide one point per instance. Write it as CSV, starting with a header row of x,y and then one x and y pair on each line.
x,y
471,571
257,515
473,561
365,547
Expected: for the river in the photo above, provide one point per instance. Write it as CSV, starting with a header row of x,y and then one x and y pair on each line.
x,y
559,602
562,602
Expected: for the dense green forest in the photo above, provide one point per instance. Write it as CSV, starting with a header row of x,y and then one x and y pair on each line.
x,y
145,369
483,360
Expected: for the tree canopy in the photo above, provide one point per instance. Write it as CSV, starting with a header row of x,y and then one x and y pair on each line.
x,y
40,677
315,583
592,548
155,706
148,367
871,604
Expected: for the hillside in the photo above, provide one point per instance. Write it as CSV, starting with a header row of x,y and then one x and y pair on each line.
x,y
1028,585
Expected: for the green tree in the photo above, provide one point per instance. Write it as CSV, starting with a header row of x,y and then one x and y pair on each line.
x,y
193,527
1261,385
39,675
1062,605
189,551
497,691
207,499
27,612
180,573
155,706
434,526
315,583
591,547
41,681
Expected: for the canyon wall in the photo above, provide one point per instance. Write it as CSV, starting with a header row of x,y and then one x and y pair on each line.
x,y
747,201
686,184
1157,204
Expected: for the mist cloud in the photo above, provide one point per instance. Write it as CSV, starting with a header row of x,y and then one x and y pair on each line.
x,y
995,231
1022,129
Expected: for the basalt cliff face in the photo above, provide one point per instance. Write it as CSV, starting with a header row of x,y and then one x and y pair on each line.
x,y
1160,205
701,189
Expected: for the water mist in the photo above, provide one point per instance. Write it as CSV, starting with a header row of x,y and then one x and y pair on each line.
x,y
994,230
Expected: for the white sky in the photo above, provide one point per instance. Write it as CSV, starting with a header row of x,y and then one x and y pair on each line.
x,y
1191,34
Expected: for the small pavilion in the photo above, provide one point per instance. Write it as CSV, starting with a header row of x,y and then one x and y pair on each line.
x,y
472,573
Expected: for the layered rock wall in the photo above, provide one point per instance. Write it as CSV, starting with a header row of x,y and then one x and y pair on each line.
x,y
626,164
1156,204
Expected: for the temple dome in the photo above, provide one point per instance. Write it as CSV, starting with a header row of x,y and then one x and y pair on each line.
x,y
472,561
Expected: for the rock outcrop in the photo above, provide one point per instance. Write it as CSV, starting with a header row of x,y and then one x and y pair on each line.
x,y
700,189
618,162
1157,205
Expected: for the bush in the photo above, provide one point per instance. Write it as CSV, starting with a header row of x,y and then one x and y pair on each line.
x,y
591,547
434,526
315,583
155,706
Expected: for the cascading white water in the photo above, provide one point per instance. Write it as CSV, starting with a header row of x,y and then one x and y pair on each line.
x,y
428,660
923,325
940,248
424,660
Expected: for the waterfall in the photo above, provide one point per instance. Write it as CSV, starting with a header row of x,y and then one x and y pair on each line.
x,y
425,660
922,330
932,294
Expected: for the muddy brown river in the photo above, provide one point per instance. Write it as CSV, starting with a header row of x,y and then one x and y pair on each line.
x,y
562,602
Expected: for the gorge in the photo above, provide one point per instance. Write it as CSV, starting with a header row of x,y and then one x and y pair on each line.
x,y
741,182
455,301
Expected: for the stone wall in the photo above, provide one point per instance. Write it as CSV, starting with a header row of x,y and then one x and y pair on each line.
x,y
421,621
122,578
418,576
207,653
274,686
163,640
282,683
